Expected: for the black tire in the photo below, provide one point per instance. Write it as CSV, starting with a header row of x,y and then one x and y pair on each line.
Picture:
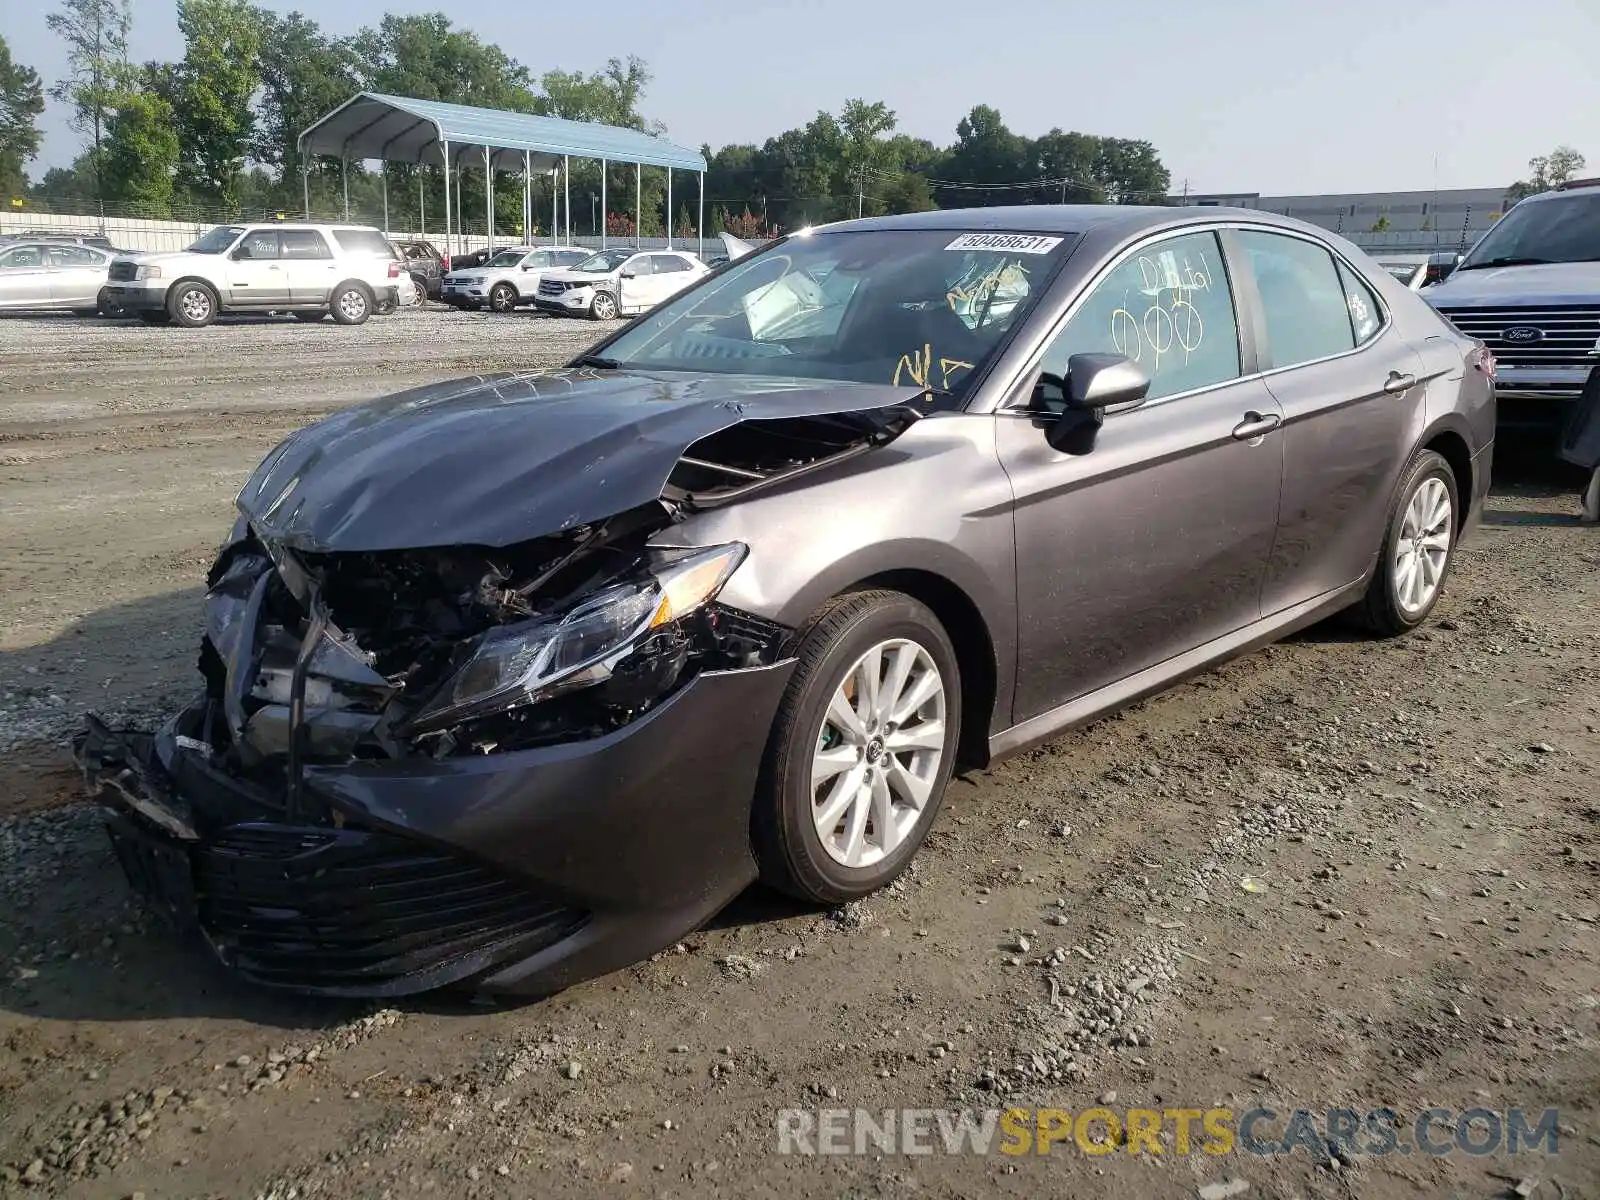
x,y
788,847
155,318
192,303
603,307
1381,611
352,303
502,298
310,318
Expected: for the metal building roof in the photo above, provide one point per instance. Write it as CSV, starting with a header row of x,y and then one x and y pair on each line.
x,y
393,128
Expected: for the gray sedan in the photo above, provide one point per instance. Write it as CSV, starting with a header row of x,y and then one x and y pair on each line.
x,y
53,275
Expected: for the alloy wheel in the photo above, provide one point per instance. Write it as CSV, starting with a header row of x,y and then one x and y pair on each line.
x,y
1422,550
353,304
196,305
878,753
604,306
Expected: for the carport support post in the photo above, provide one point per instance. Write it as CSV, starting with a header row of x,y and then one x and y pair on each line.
x,y
603,222
638,204
488,194
344,164
385,169
527,198
566,193
555,207
305,187
445,150
669,208
700,219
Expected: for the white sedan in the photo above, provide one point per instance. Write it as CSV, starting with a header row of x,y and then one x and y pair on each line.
x,y
53,275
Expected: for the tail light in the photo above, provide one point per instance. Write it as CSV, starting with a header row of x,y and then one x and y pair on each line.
x,y
1482,358
394,270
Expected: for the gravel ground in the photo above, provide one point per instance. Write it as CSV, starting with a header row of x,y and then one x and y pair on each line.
x,y
1335,873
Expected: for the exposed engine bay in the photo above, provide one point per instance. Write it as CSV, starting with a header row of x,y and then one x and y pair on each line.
x,y
327,657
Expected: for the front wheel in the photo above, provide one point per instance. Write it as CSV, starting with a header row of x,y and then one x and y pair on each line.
x,y
603,307
861,751
192,304
1418,549
502,298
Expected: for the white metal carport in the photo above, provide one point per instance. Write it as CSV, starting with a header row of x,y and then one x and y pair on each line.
x,y
395,129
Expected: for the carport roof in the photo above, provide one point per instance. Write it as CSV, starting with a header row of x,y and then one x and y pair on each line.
x,y
374,126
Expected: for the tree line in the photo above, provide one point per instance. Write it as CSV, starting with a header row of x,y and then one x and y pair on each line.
x,y
216,131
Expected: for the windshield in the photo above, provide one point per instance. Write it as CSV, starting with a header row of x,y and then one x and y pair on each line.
x,y
1545,231
508,258
920,308
606,260
218,240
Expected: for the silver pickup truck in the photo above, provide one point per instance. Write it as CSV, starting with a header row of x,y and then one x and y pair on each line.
x,y
1530,289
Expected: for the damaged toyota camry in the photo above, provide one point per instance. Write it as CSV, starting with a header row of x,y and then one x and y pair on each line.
x,y
513,680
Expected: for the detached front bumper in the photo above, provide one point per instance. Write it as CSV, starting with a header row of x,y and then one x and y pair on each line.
x,y
136,297
520,872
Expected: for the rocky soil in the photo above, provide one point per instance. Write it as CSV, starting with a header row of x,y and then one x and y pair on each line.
x,y
1335,873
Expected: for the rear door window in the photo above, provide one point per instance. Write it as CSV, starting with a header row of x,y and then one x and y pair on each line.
x,y
304,243
1303,300
1366,310
666,264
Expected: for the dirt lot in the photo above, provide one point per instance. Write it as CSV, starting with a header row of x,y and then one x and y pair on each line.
x,y
1418,824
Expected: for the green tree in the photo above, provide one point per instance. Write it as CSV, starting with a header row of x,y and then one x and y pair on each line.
x,y
141,153
989,155
610,97
304,76
215,84
1131,172
21,102
96,34
1546,171
424,57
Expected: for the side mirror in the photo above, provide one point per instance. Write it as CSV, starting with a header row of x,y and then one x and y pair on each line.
x,y
1096,384
628,275
239,255
1105,382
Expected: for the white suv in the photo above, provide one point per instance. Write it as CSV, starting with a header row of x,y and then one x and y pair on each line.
x,y
508,279
618,282
309,270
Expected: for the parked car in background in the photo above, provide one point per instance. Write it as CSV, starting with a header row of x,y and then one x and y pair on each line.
x,y
97,240
514,680
509,278
618,282
1530,289
1418,271
309,270
424,264
54,275
471,258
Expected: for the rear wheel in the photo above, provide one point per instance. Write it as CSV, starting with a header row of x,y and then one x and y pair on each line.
x,y
603,307
192,304
502,298
352,304
419,293
861,750
1418,550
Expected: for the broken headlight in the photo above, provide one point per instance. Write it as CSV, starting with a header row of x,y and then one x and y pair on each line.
x,y
533,660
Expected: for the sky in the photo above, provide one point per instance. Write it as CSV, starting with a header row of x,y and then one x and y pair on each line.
x,y
1237,95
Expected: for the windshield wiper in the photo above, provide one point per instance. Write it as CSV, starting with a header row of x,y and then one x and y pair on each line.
x,y
1508,260
599,362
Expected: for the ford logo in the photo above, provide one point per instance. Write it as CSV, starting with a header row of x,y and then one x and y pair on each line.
x,y
1523,335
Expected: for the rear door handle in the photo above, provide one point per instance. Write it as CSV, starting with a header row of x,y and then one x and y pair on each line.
x,y
1255,425
1397,383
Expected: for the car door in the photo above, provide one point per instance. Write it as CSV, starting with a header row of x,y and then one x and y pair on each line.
x,y
1154,539
308,266
533,266
1353,407
255,274
636,285
24,278
76,275
674,272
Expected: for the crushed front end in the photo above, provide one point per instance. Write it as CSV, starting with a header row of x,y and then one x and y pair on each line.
x,y
502,768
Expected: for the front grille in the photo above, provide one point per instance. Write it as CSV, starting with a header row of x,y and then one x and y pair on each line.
x,y
123,272
347,912
553,287
1566,333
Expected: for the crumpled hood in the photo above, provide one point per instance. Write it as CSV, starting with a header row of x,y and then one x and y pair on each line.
x,y
498,459
1550,283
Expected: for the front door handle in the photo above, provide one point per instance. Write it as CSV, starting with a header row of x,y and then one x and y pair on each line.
x,y
1397,383
1256,425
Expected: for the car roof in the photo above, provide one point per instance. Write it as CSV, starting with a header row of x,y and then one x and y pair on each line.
x,y
1121,219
